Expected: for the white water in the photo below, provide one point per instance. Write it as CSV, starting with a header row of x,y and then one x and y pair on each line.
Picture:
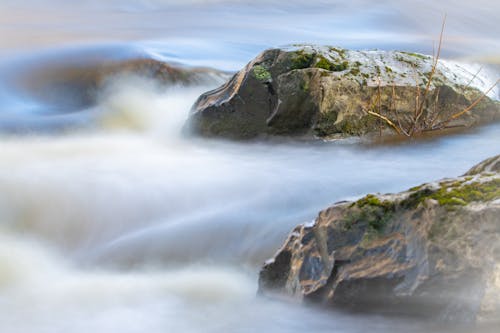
x,y
119,223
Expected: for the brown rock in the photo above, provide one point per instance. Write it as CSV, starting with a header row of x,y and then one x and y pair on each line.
x,y
327,92
432,251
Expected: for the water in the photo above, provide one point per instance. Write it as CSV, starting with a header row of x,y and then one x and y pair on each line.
x,y
111,220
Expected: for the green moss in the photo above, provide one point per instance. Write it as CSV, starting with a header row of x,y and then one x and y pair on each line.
x,y
340,67
417,197
261,74
407,61
469,192
324,63
416,55
330,66
416,188
452,201
388,69
302,59
372,212
457,193
372,200
376,214
354,71
340,52
304,86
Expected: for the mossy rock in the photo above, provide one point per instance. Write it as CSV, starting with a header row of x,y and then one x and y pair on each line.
x,y
405,254
325,92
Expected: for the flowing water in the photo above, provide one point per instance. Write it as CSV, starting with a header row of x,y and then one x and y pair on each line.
x,y
112,220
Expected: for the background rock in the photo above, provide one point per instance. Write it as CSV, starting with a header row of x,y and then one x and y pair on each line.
x,y
327,92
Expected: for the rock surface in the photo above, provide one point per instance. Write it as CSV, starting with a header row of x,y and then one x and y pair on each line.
x,y
327,92
78,86
432,251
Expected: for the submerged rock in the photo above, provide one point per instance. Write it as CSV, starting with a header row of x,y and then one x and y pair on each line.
x,y
432,251
72,87
327,92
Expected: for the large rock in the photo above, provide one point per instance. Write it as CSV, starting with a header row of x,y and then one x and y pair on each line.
x,y
327,92
432,251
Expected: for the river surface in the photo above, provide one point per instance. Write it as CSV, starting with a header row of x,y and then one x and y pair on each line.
x,y
113,220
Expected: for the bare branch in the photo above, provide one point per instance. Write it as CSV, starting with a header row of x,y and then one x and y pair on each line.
x,y
431,76
387,120
467,109
474,77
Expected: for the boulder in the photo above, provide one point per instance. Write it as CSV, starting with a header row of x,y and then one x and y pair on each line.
x,y
73,87
432,251
327,92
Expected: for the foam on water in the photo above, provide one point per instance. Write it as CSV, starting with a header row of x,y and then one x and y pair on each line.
x,y
48,294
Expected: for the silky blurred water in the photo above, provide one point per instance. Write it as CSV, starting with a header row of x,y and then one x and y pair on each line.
x,y
112,220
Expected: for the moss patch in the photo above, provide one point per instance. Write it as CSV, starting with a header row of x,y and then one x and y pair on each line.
x,y
465,193
302,59
324,63
376,217
340,67
416,188
340,52
411,63
416,55
372,212
304,86
354,71
330,66
261,74
457,193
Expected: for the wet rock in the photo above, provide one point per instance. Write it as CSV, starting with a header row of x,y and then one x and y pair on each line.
x,y
73,87
432,251
327,92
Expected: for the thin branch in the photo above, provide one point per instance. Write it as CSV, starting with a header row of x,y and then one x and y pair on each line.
x,y
441,128
387,120
474,77
467,109
429,82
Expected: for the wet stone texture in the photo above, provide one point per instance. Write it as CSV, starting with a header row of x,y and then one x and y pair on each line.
x,y
327,92
432,251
